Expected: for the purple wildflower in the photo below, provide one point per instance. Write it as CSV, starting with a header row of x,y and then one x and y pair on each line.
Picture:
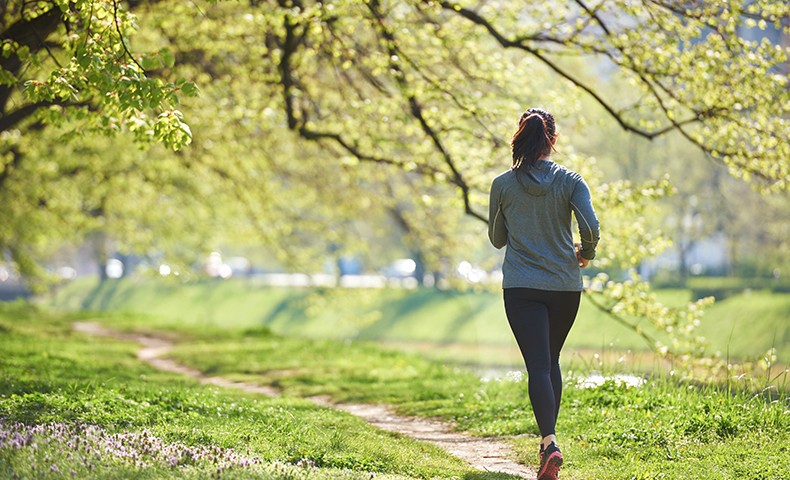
x,y
90,444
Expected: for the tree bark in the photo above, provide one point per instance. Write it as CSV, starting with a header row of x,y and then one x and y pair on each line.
x,y
32,34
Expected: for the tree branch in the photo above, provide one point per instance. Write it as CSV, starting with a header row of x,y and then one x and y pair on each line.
x,y
120,35
416,110
13,118
651,341
593,14
309,134
298,123
10,120
30,33
16,159
521,45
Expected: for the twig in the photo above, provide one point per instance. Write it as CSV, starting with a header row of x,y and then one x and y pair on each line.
x,y
120,35
652,342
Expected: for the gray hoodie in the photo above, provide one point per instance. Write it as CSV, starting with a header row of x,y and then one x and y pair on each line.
x,y
531,214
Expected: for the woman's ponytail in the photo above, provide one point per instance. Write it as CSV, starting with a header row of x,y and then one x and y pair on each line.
x,y
534,138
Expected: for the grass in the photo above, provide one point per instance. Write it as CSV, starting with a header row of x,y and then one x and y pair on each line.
x,y
72,406
749,323
466,327
612,431
54,377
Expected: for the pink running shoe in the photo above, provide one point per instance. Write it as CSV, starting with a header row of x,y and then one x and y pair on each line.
x,y
550,462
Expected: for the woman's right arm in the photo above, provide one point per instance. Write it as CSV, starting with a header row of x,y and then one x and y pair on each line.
x,y
497,231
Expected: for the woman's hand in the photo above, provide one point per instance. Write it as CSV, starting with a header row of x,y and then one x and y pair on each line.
x,y
583,262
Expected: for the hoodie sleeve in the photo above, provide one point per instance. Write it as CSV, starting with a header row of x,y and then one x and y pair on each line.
x,y
497,232
581,203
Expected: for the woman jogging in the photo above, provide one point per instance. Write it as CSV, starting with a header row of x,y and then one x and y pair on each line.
x,y
530,212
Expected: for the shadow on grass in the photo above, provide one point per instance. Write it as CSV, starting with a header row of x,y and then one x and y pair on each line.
x,y
395,310
98,295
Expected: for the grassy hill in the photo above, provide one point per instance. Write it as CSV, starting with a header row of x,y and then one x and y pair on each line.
x,y
469,326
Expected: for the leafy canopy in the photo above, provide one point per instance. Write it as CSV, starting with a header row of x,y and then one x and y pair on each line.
x,y
365,115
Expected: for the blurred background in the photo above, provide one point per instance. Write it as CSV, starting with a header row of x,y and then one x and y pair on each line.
x,y
336,178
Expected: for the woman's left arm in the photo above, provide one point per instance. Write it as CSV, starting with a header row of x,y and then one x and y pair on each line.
x,y
497,231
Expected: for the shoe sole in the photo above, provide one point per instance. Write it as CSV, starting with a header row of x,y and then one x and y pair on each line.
x,y
551,468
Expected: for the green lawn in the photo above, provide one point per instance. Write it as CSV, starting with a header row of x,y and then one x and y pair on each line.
x,y
464,326
67,385
73,406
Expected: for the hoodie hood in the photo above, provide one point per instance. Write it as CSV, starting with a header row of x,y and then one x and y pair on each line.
x,y
538,180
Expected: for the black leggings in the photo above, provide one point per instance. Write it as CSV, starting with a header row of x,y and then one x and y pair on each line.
x,y
541,320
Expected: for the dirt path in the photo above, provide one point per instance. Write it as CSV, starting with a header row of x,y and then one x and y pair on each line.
x,y
488,454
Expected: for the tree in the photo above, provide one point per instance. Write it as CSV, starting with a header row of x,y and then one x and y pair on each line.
x,y
311,108
73,63
67,63
694,74
430,88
